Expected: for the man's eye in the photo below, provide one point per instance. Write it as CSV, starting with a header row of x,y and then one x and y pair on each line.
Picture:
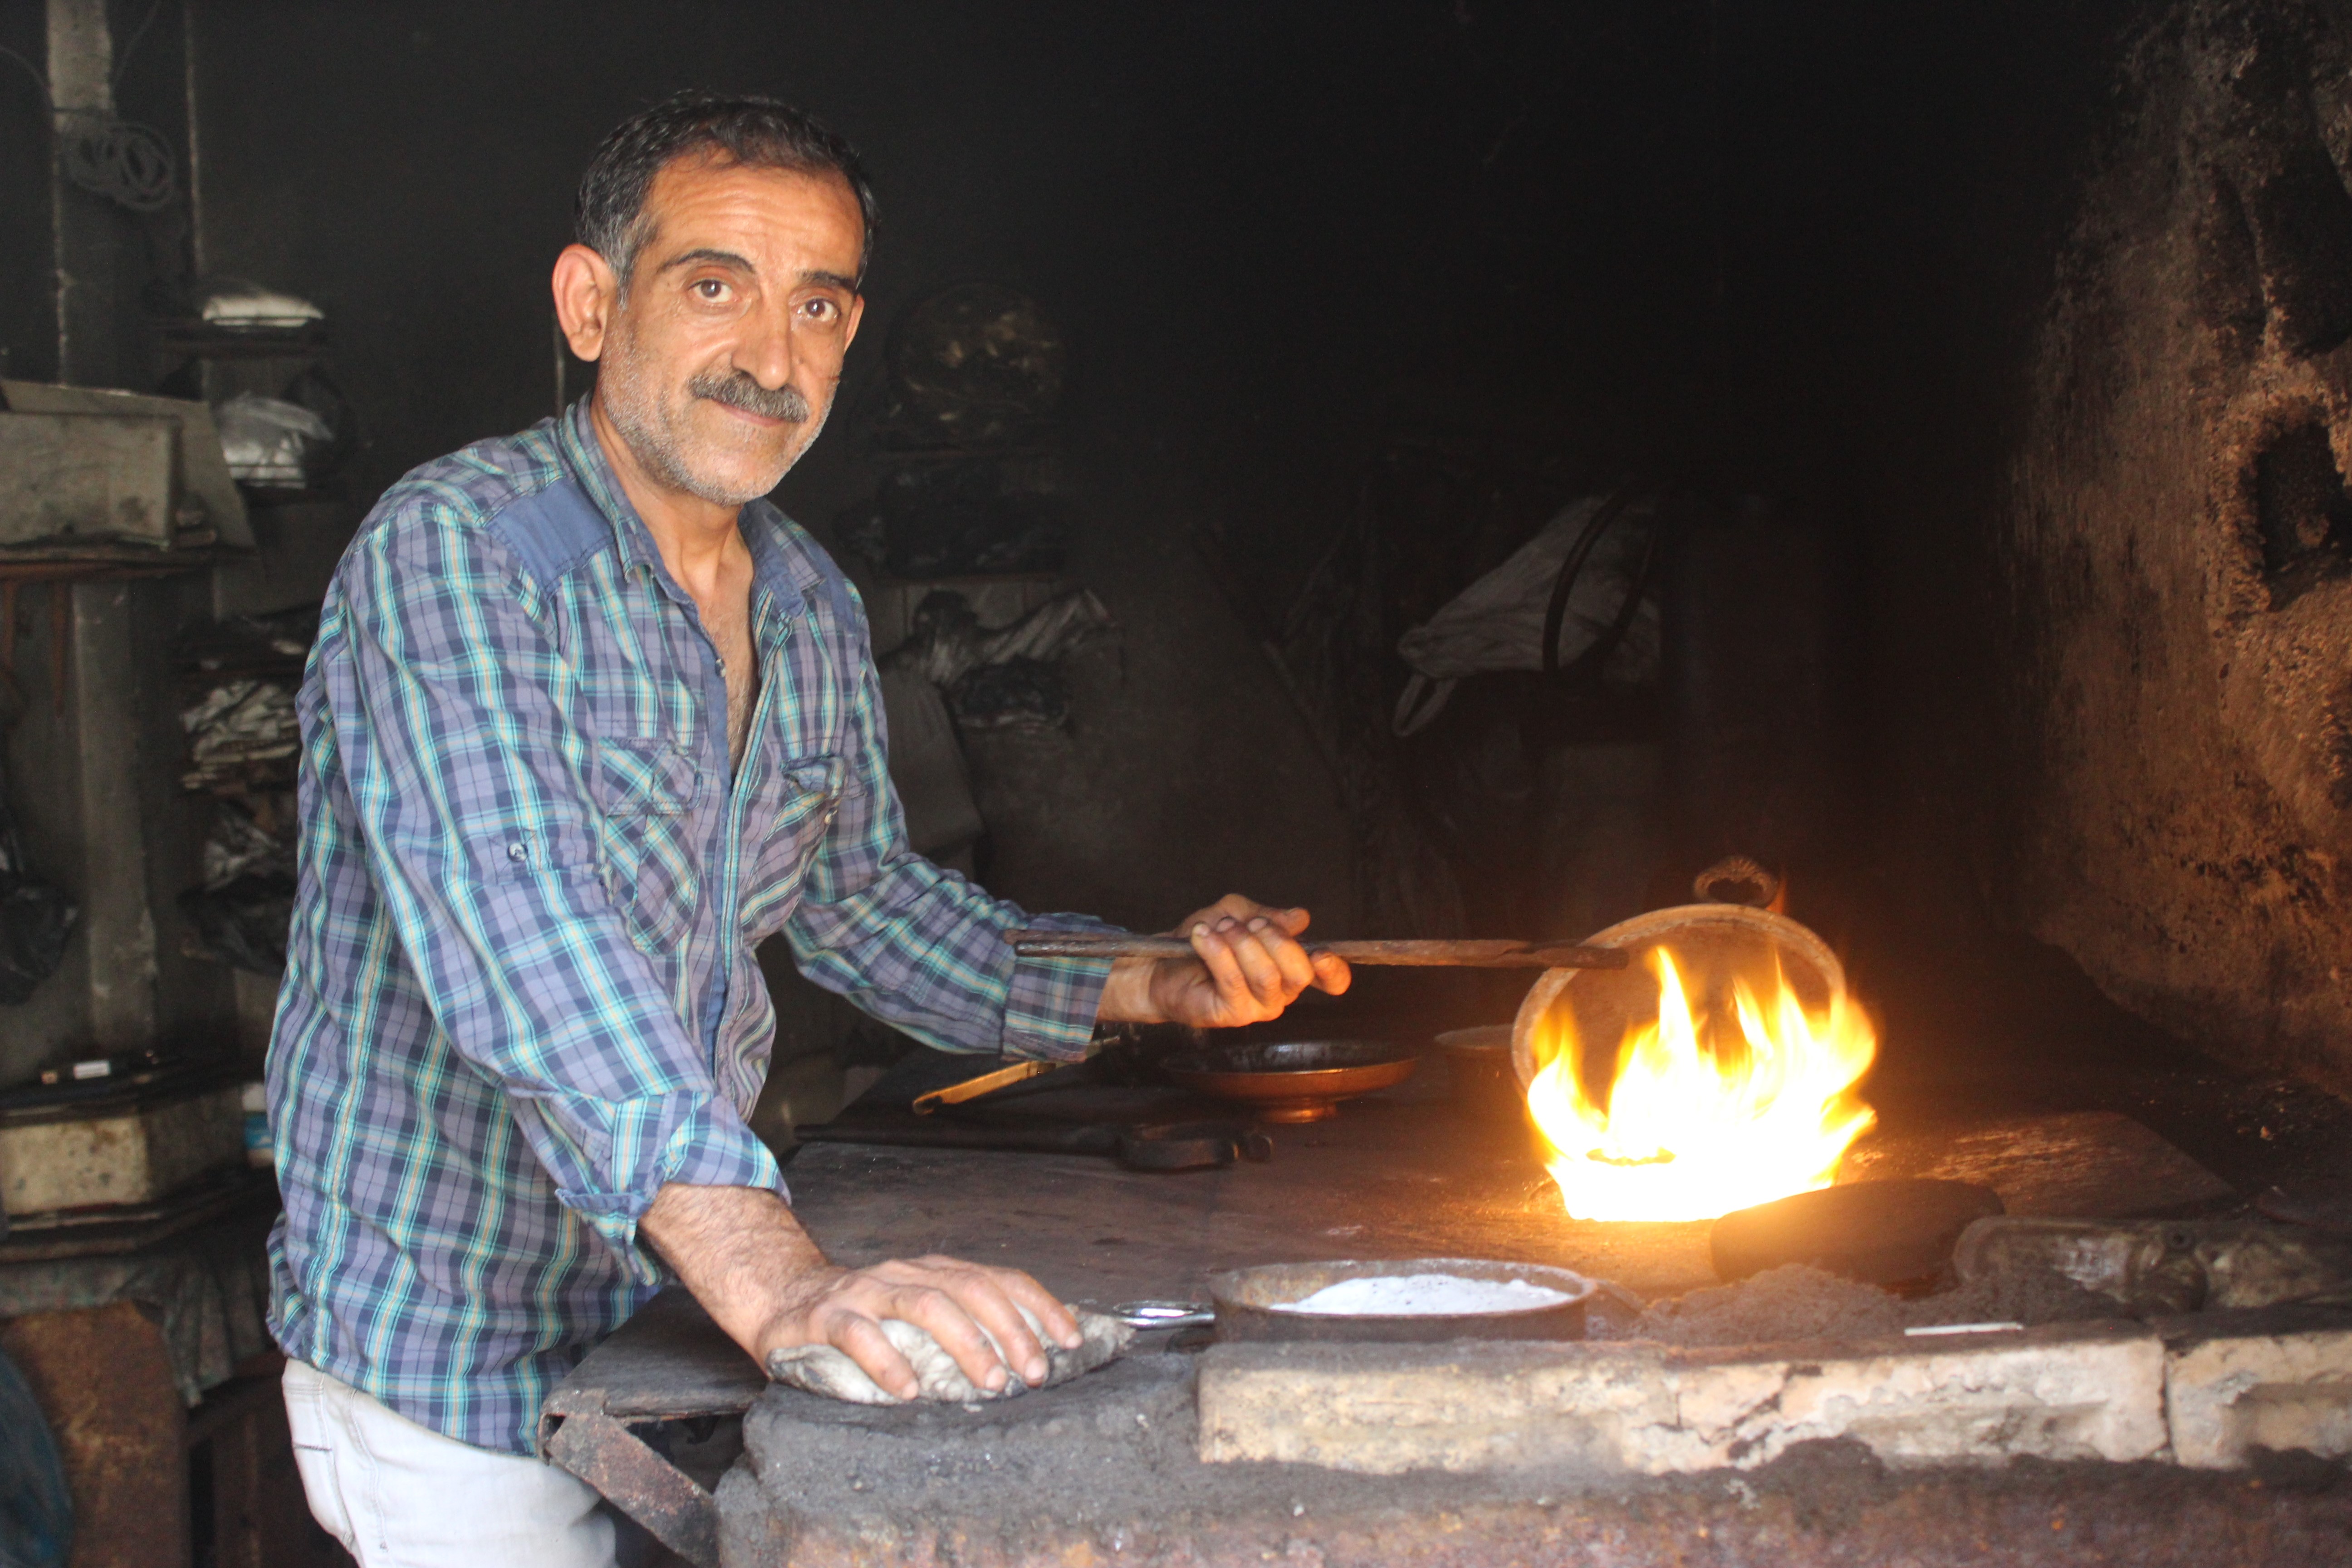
x,y
710,289
821,309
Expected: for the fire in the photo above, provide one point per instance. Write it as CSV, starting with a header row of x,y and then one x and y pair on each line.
x,y
1704,1115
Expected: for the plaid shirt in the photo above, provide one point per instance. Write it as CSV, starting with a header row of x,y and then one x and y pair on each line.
x,y
519,992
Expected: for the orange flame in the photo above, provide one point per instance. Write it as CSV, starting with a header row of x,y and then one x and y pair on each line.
x,y
1687,1130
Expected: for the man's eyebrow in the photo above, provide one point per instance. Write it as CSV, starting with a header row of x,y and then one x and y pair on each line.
x,y
704,254
723,258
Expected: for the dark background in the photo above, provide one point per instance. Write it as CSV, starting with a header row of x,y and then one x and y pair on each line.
x,y
1786,247
1771,240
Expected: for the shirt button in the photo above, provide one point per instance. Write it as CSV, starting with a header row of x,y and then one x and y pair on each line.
x,y
517,852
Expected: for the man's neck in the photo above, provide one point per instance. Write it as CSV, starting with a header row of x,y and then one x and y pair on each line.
x,y
693,535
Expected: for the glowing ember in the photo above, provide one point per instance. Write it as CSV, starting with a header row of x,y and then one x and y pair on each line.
x,y
1704,1115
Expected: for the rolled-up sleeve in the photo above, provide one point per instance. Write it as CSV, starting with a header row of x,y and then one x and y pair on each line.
x,y
469,778
914,943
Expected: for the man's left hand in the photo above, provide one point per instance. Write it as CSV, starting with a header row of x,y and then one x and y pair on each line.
x,y
1247,966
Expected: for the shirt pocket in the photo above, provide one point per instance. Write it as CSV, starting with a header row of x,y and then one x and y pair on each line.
x,y
796,808
645,789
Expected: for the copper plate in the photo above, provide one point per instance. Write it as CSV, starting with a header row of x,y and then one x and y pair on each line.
x,y
1291,1080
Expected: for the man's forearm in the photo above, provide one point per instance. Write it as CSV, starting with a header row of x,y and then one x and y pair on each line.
x,y
743,1254
740,1250
1127,993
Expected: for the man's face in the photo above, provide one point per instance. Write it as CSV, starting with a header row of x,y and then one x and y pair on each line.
x,y
720,363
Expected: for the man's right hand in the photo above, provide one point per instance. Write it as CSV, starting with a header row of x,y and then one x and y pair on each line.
x,y
1247,965
951,1301
743,1254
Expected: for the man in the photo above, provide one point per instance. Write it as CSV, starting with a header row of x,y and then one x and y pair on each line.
x,y
587,720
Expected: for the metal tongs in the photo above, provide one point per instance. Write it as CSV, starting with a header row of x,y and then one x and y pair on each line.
x,y
1500,952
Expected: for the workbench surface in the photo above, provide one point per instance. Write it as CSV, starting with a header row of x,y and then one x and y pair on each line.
x,y
1403,1173
1394,1176
1406,1173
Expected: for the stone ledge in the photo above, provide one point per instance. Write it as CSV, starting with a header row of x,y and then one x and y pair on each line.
x,y
2280,1379
2066,1391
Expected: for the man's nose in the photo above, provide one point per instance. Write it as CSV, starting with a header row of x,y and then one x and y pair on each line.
x,y
764,352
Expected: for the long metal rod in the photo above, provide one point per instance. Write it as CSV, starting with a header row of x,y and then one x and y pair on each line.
x,y
1481,954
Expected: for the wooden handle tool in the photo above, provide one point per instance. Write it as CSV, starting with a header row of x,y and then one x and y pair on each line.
x,y
1478,954
986,1083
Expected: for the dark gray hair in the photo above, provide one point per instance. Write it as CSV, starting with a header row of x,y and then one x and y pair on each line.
x,y
609,217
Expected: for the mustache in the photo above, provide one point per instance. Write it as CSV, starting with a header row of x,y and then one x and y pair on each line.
x,y
739,391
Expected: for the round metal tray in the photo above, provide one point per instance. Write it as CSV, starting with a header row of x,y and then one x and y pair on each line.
x,y
1717,941
1291,1080
1248,1302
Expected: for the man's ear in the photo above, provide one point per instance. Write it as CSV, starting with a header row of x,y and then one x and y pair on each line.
x,y
856,314
587,294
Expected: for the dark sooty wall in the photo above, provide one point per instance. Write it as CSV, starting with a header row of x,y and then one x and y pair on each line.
x,y
1268,231
1259,223
1804,248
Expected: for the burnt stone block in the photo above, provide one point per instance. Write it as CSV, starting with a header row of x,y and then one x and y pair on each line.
x,y
1886,1233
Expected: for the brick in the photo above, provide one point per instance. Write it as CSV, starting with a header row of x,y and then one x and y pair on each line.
x,y
2073,1392
2294,1390
1386,1409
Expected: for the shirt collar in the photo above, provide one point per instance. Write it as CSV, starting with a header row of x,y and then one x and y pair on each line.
x,y
584,454
771,575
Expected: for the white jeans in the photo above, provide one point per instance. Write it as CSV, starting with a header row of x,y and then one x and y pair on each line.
x,y
398,1495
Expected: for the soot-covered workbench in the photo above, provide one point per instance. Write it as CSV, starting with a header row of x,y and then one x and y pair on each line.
x,y
680,1429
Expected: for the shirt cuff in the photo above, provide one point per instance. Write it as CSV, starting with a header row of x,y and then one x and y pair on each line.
x,y
1050,1003
707,1146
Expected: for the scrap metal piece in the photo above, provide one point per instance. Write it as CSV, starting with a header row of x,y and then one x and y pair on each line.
x,y
669,1362
640,1483
1164,1314
1192,1145
2322,1205
1886,1232
2156,1267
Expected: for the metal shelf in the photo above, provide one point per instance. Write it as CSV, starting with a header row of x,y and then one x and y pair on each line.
x,y
289,495
181,339
121,564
